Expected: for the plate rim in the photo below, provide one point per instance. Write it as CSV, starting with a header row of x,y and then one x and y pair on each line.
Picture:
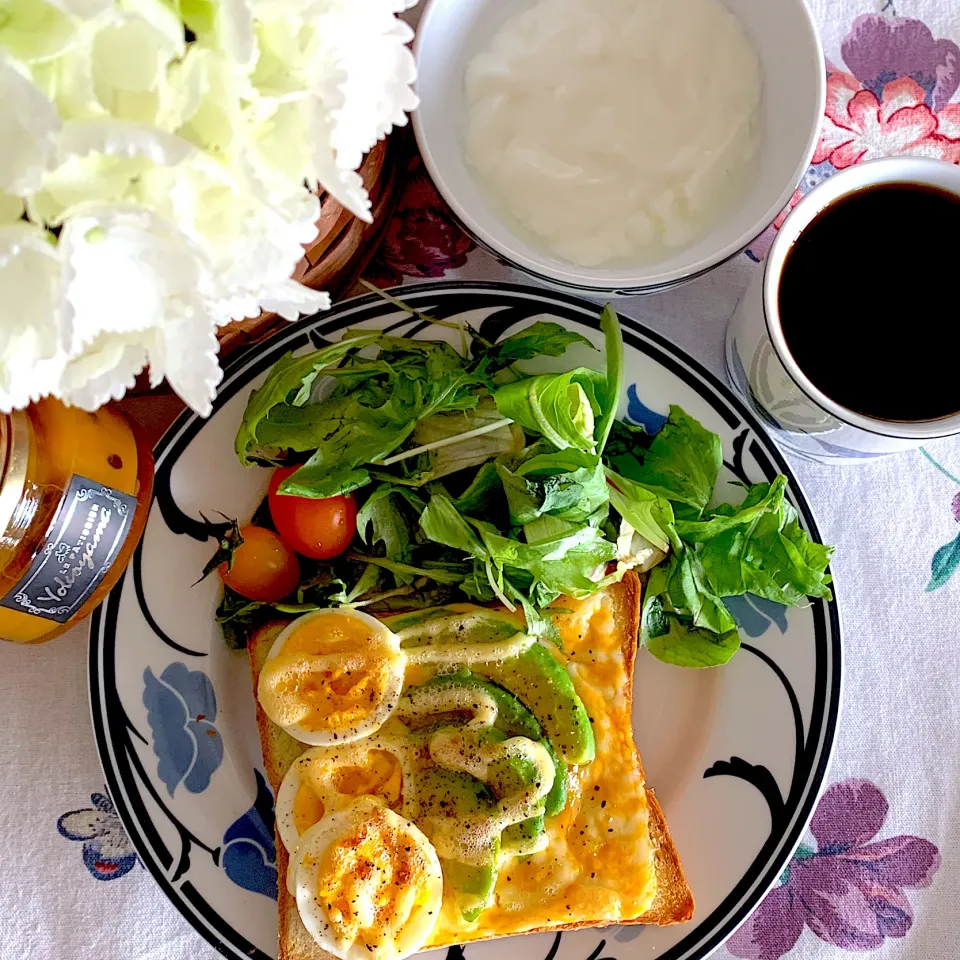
x,y
761,878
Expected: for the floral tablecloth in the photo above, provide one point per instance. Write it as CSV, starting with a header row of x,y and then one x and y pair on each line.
x,y
878,871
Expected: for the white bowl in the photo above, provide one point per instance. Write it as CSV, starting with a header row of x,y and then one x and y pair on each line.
x,y
785,37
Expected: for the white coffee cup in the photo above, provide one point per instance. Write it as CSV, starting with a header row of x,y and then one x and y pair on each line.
x,y
799,415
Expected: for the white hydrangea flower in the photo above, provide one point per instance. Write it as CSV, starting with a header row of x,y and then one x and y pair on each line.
x,y
30,124
35,319
175,147
140,292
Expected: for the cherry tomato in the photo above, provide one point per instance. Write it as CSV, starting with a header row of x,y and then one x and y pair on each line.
x,y
320,529
264,567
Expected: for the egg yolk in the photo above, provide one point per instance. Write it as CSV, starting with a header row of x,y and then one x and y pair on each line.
x,y
380,775
372,883
329,676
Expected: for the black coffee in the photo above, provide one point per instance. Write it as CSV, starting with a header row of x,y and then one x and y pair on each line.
x,y
869,302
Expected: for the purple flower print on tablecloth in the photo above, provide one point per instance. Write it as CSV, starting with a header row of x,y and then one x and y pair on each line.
x,y
422,239
849,890
881,49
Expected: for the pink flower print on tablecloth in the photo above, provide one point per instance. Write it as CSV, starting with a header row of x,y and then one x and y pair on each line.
x,y
892,102
849,891
859,127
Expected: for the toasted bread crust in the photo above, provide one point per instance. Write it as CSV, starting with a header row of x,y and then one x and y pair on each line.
x,y
673,902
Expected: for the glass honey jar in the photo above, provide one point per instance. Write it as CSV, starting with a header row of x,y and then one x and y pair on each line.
x,y
75,492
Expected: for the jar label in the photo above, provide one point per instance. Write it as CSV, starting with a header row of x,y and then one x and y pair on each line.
x,y
83,541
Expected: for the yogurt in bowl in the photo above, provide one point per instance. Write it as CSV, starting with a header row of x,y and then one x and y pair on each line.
x,y
617,146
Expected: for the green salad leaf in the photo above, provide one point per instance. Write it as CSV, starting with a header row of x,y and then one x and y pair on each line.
x,y
276,395
613,385
560,407
648,513
540,339
568,484
769,554
682,463
477,479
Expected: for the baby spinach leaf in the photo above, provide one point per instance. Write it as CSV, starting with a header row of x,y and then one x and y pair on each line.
x,y
682,463
672,635
770,555
384,519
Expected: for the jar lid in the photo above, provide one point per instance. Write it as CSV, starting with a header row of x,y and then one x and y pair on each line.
x,y
14,459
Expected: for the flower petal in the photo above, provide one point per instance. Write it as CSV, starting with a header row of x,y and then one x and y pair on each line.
x,y
29,122
841,89
837,907
893,910
36,32
949,121
902,861
123,138
850,812
35,323
901,93
772,930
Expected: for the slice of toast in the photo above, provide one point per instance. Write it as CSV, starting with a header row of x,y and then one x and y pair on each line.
x,y
617,611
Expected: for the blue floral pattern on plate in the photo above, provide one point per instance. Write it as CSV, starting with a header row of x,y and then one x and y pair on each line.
x,y
249,856
754,615
640,414
181,711
107,851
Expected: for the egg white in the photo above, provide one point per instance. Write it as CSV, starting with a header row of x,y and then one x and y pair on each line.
x,y
386,643
323,923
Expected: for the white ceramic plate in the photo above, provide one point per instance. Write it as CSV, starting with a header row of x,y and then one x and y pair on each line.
x,y
737,755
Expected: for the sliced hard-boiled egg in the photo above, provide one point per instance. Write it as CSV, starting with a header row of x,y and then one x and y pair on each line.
x,y
332,676
368,883
328,778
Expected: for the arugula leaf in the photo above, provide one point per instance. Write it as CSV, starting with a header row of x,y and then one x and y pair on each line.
x,y
682,464
563,564
288,374
770,555
649,514
239,617
540,339
613,388
354,435
560,406
442,523
382,519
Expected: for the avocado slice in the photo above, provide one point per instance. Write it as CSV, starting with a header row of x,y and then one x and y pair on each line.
x,y
519,839
446,796
472,887
540,682
513,718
